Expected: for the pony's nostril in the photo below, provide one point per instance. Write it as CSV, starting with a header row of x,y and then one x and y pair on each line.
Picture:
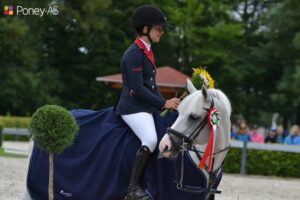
x,y
166,149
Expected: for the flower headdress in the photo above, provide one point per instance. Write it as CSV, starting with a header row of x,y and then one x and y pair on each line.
x,y
200,78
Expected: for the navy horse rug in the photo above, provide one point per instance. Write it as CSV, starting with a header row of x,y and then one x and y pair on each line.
x,y
98,165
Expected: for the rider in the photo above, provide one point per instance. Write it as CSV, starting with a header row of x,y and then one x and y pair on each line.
x,y
139,97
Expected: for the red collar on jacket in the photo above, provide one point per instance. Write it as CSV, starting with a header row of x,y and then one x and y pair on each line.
x,y
149,54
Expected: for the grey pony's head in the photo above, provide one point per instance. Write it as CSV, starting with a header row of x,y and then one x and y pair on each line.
x,y
192,110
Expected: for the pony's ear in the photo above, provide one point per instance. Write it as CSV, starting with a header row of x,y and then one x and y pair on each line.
x,y
204,92
207,98
190,87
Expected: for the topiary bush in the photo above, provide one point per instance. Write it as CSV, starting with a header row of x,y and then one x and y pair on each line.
x,y
53,129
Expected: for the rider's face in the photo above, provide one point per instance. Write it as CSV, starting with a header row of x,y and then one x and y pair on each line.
x,y
156,32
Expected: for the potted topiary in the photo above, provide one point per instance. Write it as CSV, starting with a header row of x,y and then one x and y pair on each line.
x,y
52,129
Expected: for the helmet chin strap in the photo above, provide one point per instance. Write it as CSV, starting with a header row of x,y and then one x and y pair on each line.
x,y
148,34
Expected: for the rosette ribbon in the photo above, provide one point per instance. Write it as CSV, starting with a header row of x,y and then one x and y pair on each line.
x,y
214,122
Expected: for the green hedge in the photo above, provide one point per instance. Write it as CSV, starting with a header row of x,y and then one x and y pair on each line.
x,y
14,122
272,163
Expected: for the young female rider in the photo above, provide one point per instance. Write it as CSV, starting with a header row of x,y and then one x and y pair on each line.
x,y
139,97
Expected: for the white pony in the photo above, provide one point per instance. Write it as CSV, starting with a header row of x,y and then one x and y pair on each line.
x,y
191,132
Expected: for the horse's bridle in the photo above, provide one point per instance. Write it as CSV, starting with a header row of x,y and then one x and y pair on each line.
x,y
188,140
185,145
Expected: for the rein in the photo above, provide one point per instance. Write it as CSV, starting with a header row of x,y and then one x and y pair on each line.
x,y
212,175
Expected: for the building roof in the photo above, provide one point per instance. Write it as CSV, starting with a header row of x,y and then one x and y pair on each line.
x,y
165,77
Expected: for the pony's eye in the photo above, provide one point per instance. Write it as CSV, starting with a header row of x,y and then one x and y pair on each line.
x,y
194,116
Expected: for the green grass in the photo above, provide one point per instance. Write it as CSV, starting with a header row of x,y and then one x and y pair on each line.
x,y
10,155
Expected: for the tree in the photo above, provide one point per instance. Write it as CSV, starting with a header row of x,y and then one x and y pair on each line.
x,y
283,51
243,43
53,129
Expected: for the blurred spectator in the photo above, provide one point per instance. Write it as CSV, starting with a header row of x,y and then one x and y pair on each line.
x,y
242,133
256,137
233,135
271,137
294,137
233,132
280,134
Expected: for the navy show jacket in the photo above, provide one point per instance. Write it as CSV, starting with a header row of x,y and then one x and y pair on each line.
x,y
139,92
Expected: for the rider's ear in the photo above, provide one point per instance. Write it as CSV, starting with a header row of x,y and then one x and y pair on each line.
x,y
190,87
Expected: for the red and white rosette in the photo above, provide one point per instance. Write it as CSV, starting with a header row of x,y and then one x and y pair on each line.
x,y
214,122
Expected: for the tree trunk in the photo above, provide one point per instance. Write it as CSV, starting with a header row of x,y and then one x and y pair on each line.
x,y
51,170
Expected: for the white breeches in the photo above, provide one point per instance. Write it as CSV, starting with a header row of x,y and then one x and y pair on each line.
x,y
142,124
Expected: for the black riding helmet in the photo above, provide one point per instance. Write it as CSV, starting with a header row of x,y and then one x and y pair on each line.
x,y
148,15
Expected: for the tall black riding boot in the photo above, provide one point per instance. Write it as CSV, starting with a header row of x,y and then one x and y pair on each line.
x,y
135,192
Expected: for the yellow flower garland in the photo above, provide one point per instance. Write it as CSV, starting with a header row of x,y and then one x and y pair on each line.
x,y
200,71
200,77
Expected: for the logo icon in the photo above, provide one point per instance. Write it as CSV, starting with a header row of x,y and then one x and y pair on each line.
x,y
8,10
